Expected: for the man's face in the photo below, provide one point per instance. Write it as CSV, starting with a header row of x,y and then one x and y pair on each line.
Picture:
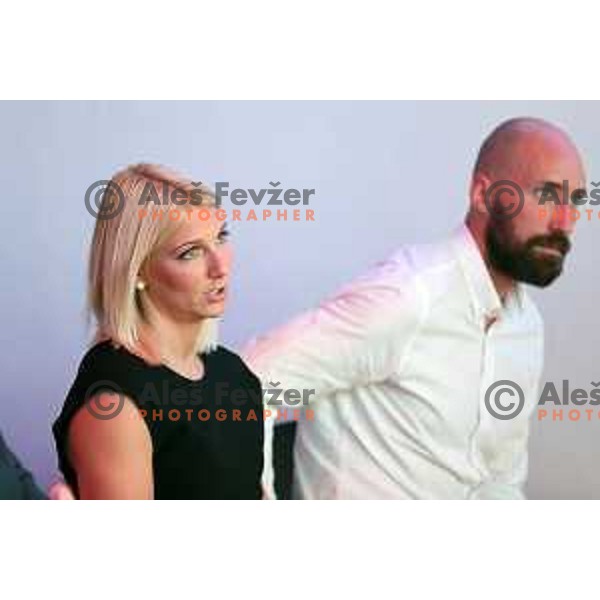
x,y
532,246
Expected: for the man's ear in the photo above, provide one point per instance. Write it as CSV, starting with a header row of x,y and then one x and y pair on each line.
x,y
479,186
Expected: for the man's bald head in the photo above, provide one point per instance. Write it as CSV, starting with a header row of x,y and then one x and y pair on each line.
x,y
514,143
519,164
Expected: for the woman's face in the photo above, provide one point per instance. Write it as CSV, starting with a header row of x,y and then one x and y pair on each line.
x,y
187,279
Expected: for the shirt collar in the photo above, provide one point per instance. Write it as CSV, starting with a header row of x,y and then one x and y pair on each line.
x,y
485,301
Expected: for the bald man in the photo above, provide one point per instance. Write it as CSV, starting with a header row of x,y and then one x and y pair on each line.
x,y
403,361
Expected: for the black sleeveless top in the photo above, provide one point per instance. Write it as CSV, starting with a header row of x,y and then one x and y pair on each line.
x,y
207,435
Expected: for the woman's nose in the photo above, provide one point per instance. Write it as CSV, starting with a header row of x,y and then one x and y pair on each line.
x,y
217,265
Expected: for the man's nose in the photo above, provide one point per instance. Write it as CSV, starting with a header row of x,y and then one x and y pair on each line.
x,y
563,220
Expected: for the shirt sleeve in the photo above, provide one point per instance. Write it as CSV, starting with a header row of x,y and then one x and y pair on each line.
x,y
268,474
358,336
27,486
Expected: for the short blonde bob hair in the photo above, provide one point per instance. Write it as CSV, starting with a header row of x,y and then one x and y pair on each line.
x,y
122,243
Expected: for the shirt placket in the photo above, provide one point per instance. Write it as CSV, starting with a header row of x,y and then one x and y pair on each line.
x,y
487,377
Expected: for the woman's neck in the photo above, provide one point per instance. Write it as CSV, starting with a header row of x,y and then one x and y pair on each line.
x,y
173,344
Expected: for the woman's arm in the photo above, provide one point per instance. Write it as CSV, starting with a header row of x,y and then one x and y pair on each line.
x,y
112,457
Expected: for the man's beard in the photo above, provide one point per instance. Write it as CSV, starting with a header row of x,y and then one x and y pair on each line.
x,y
521,261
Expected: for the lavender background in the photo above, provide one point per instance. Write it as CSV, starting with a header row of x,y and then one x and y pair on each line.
x,y
385,173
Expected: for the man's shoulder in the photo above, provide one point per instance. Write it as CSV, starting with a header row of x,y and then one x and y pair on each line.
x,y
414,267
406,284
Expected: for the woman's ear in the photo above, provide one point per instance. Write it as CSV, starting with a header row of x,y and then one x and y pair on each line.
x,y
142,278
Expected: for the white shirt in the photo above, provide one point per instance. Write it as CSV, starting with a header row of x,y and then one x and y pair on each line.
x,y
400,361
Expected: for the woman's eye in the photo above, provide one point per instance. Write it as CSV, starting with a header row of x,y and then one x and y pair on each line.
x,y
190,254
224,236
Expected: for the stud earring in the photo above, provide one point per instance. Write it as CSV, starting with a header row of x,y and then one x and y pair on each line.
x,y
140,286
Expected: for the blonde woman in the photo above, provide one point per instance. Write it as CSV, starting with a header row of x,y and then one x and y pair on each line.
x,y
158,409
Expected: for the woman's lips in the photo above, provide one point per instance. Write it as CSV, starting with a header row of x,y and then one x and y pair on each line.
x,y
216,294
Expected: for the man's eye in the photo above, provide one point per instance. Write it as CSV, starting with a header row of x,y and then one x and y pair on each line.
x,y
546,192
